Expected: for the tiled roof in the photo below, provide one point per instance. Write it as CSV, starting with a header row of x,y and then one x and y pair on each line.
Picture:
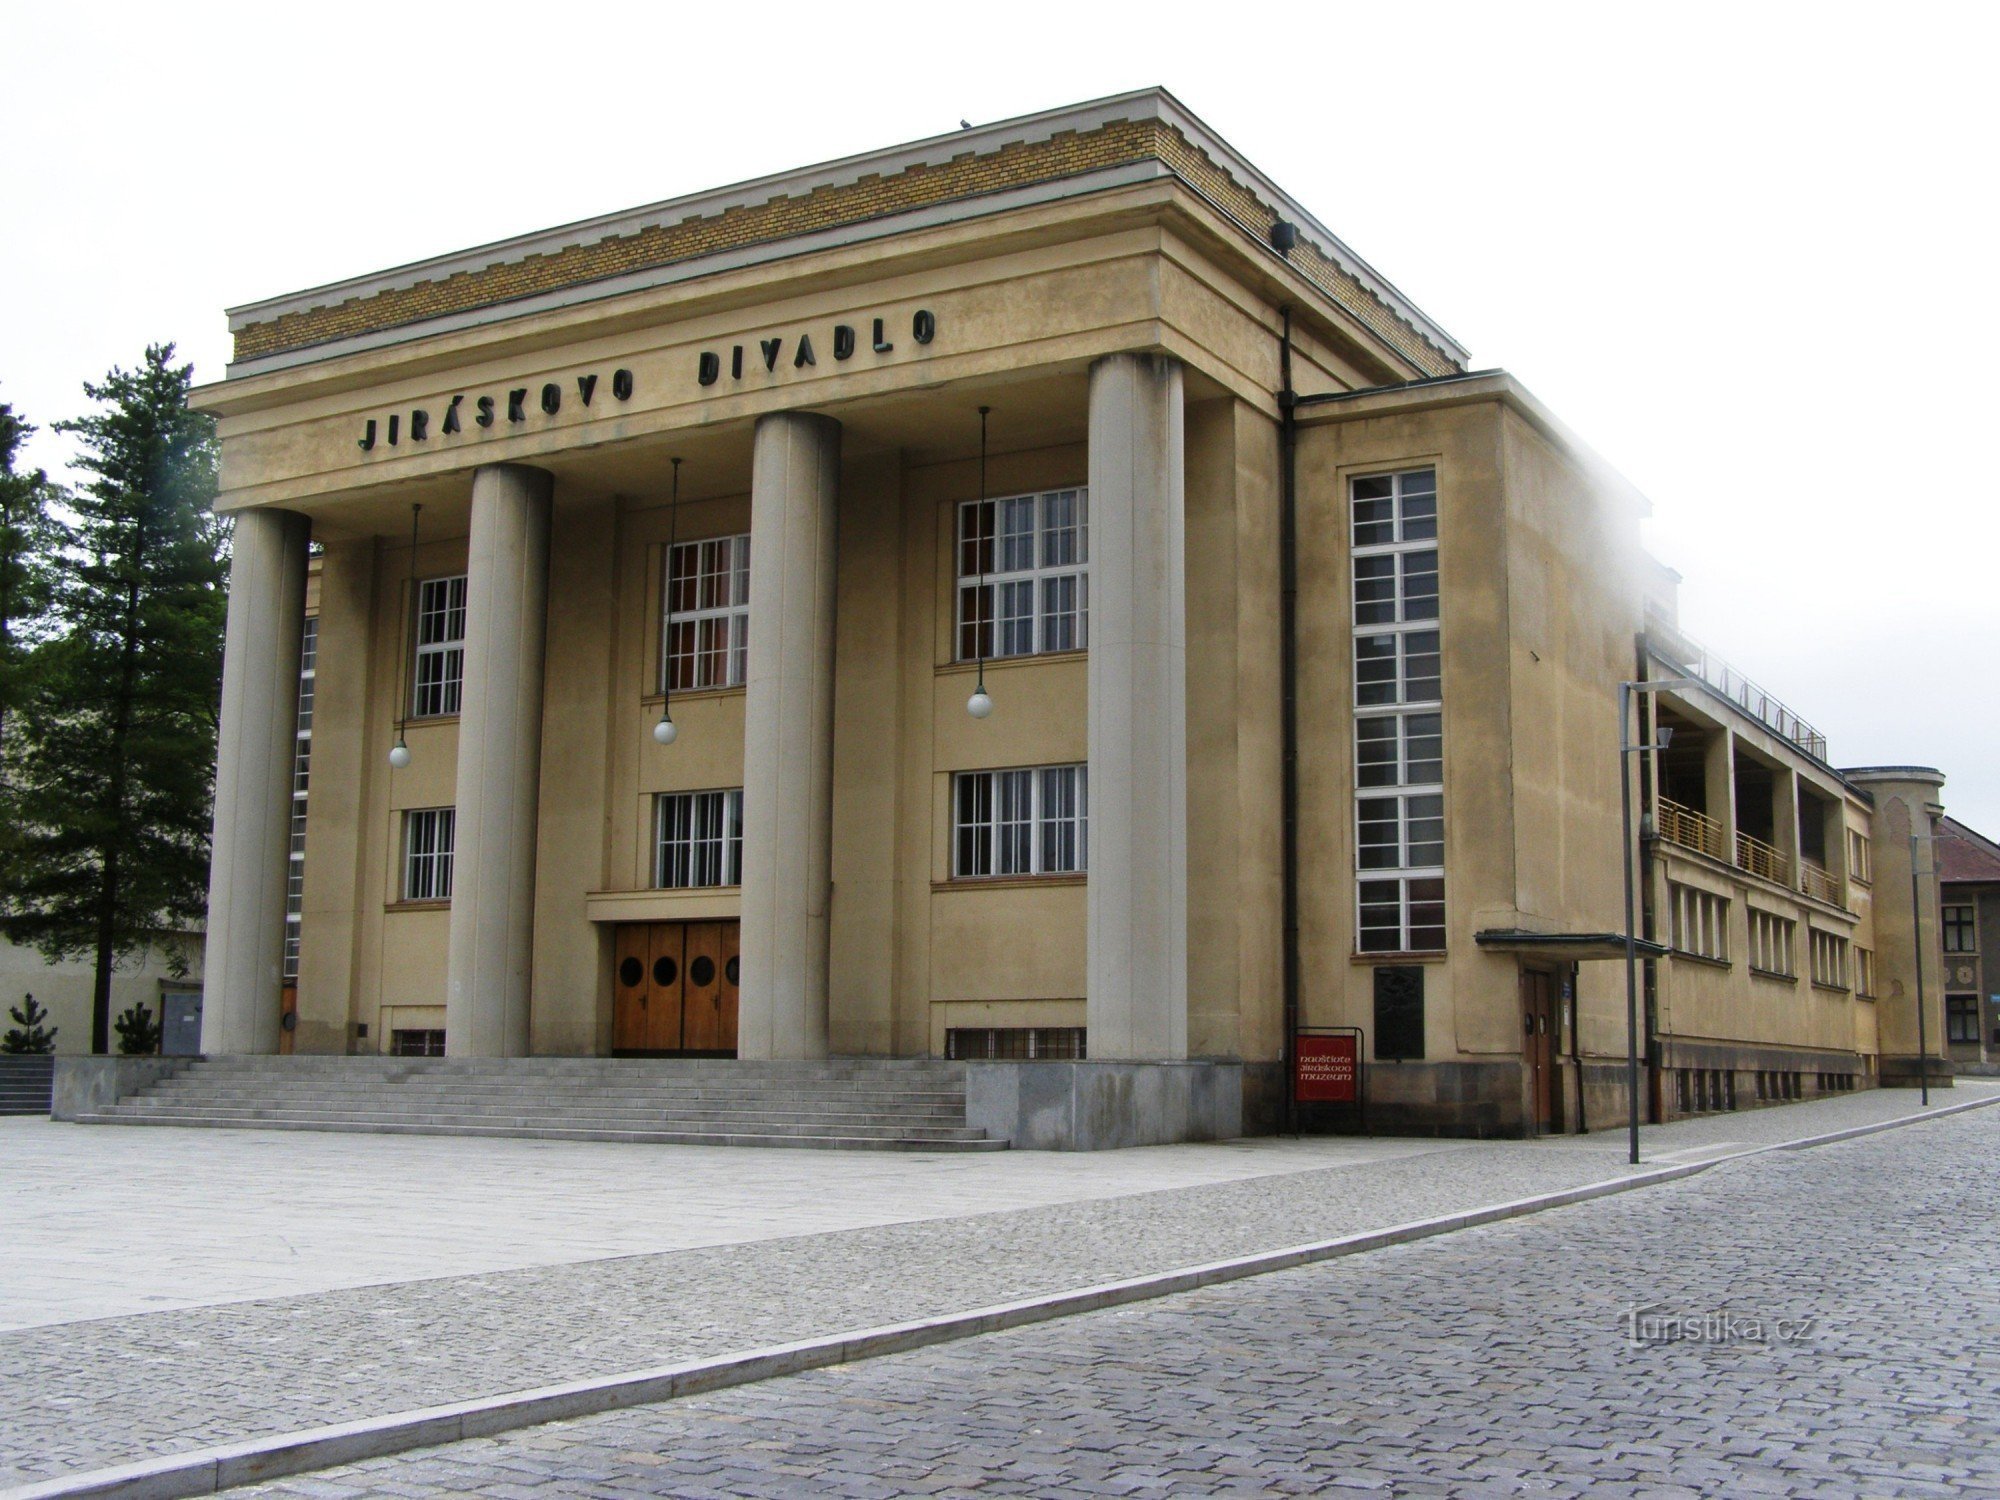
x,y
1966,855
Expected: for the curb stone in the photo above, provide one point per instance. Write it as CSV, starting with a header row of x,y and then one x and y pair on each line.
x,y
209,1471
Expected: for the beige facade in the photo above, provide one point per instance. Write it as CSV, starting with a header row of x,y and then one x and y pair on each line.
x,y
1127,296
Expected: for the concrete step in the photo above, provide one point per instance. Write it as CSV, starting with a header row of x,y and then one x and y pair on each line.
x,y
900,1142
582,1099
439,1110
848,1068
889,1125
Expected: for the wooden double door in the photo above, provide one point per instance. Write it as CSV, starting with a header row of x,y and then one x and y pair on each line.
x,y
673,989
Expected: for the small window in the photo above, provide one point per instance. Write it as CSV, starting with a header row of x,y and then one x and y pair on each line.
x,y
439,680
1771,945
1829,959
1024,574
416,1043
1033,821
1014,1043
1864,972
1961,1018
707,644
1961,929
698,839
1701,922
428,835
1858,857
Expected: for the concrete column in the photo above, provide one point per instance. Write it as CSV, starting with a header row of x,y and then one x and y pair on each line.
x,y
788,737
499,764
1719,768
244,965
1136,997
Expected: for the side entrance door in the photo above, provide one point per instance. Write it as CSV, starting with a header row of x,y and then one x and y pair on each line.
x,y
1538,1051
674,989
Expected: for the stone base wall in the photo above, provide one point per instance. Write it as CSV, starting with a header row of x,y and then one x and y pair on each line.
x,y
1099,1106
84,1085
1906,1072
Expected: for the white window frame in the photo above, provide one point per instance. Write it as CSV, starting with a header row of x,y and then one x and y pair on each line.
x,y
1400,526
430,837
698,839
1864,971
1860,861
1828,957
440,603
1055,581
1033,821
295,863
715,625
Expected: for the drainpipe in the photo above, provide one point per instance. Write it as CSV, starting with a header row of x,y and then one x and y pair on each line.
x,y
1288,673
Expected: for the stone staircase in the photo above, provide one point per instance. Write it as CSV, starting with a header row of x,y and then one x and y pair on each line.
x,y
25,1085
863,1104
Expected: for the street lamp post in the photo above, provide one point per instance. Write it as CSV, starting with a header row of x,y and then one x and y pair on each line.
x,y
1917,947
1625,748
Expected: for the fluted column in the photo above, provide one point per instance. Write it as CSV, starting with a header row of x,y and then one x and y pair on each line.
x,y
1136,1000
499,764
243,968
788,738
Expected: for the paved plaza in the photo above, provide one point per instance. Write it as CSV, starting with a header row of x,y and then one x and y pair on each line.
x,y
1838,1307
304,1279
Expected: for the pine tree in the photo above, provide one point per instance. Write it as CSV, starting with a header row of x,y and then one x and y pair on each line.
x,y
29,1037
138,1032
31,542
119,734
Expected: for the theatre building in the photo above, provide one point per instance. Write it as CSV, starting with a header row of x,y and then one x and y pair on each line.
x,y
1031,600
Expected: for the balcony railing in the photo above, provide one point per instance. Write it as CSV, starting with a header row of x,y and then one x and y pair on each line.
x,y
1819,884
1699,661
1760,859
1691,829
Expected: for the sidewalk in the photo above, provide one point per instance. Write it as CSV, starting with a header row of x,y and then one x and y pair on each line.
x,y
752,1249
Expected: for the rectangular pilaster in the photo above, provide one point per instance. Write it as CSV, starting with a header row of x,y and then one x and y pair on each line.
x,y
1136,998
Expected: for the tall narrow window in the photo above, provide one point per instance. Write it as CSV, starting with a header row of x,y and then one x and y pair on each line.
x,y
428,835
439,679
1961,929
1399,722
1034,821
707,644
698,839
1024,574
295,867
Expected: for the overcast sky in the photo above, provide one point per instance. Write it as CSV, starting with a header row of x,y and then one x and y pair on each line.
x,y
1747,252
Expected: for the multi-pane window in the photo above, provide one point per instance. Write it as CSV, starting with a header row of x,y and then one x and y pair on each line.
x,y
707,620
1771,944
1398,725
1858,865
1024,574
1864,971
428,834
1961,929
1701,922
1961,1018
439,679
698,839
416,1043
295,867
1829,959
1033,821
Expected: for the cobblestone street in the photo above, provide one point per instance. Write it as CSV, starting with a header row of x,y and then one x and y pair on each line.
x,y
1495,1361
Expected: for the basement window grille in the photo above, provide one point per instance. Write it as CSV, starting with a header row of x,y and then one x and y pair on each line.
x,y
1014,1043
416,1043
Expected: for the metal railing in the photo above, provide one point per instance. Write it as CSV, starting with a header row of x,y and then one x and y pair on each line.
x,y
1691,830
1698,661
1760,859
1819,883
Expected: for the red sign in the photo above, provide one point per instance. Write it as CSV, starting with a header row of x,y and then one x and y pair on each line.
x,y
1326,1068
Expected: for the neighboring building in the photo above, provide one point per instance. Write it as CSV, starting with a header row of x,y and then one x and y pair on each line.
x,y
731,447
1968,868
171,967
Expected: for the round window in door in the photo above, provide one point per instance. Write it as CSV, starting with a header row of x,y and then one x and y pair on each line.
x,y
729,971
701,973
665,971
631,972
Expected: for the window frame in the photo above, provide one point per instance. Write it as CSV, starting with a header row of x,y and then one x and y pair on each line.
x,y
1703,914
1773,945
439,858
1959,921
970,620
450,649
726,841
1961,1008
702,620
1036,824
